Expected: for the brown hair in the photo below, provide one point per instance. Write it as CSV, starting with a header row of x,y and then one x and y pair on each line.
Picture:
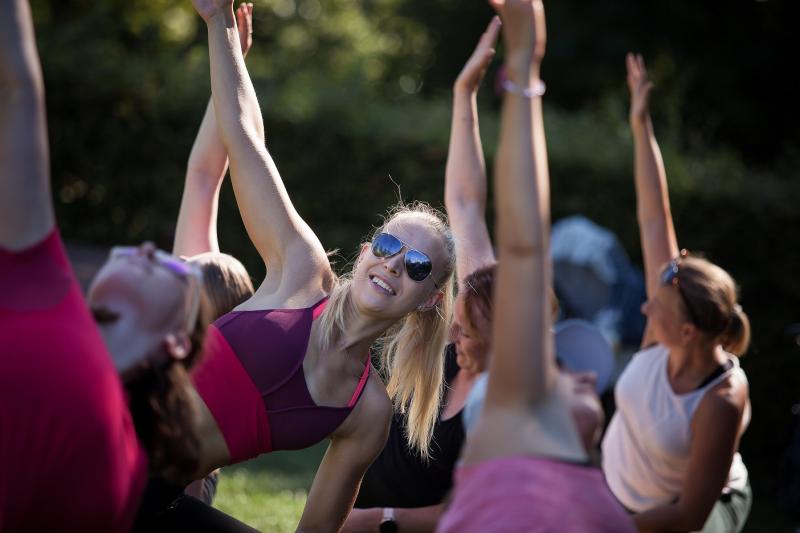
x,y
226,284
161,403
712,295
478,289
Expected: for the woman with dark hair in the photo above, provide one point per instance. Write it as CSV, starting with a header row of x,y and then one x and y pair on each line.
x,y
670,453
524,466
64,416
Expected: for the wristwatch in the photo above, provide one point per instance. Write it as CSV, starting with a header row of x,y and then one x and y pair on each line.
x,y
388,523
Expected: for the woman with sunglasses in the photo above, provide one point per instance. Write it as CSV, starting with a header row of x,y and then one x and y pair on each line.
x,y
524,467
670,453
290,366
66,431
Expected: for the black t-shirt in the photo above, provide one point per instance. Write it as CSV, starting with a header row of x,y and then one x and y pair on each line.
x,y
401,478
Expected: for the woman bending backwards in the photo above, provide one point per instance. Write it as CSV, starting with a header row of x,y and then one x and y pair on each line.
x,y
524,467
64,414
290,366
670,452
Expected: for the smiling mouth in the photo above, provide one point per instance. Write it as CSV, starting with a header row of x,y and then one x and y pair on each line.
x,y
382,284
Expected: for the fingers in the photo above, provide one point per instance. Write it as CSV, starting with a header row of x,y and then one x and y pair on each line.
x,y
244,21
640,64
541,28
489,37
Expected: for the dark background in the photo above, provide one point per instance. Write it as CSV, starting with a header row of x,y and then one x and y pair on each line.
x,y
354,92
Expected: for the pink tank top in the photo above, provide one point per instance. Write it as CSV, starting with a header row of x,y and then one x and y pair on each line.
x,y
69,456
251,379
527,494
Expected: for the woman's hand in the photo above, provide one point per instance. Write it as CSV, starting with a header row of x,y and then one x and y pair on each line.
x,y
244,22
471,76
524,33
207,9
639,86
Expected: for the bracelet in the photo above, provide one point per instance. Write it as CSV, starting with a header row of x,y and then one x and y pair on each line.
x,y
538,88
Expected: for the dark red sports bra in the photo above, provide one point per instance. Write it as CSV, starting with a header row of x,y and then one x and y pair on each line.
x,y
251,378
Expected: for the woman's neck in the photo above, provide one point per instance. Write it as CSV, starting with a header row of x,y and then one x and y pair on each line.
x,y
693,363
360,331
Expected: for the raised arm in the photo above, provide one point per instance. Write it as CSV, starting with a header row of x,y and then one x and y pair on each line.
x,y
274,226
522,371
196,231
656,230
26,211
465,174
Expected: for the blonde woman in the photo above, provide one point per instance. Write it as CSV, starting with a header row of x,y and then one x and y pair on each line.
x,y
290,366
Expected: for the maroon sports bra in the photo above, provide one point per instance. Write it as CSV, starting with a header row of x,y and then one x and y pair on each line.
x,y
251,379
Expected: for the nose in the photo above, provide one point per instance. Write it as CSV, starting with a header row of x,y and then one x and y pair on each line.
x,y
394,264
645,307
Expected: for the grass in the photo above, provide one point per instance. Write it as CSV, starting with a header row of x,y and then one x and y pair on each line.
x,y
268,493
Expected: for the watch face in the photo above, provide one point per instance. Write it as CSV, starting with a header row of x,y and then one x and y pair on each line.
x,y
388,526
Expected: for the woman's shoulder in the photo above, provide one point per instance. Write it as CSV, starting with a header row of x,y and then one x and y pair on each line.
x,y
371,416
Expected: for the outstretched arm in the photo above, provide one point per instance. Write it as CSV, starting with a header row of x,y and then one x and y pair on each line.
x,y
26,211
196,231
657,232
522,371
274,226
465,174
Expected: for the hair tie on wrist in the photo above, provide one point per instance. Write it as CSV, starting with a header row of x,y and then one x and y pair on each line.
x,y
538,88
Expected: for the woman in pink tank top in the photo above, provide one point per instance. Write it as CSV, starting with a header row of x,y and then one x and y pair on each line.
x,y
67,434
524,467
670,452
401,284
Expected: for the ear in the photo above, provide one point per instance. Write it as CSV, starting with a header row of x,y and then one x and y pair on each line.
x,y
364,248
688,331
177,345
432,301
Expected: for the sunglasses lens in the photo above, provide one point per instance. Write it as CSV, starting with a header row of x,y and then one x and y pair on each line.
x,y
418,265
386,245
669,274
175,265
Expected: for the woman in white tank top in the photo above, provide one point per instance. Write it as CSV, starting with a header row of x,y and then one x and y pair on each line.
x,y
670,453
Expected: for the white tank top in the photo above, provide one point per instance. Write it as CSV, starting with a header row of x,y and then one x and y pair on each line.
x,y
646,447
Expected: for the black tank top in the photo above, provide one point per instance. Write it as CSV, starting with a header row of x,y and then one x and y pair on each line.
x,y
399,477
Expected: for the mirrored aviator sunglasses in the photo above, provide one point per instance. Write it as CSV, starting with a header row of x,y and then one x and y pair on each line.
x,y
418,265
670,277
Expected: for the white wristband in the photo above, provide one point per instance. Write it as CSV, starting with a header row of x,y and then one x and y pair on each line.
x,y
538,88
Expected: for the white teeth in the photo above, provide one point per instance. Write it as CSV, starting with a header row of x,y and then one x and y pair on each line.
x,y
382,284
